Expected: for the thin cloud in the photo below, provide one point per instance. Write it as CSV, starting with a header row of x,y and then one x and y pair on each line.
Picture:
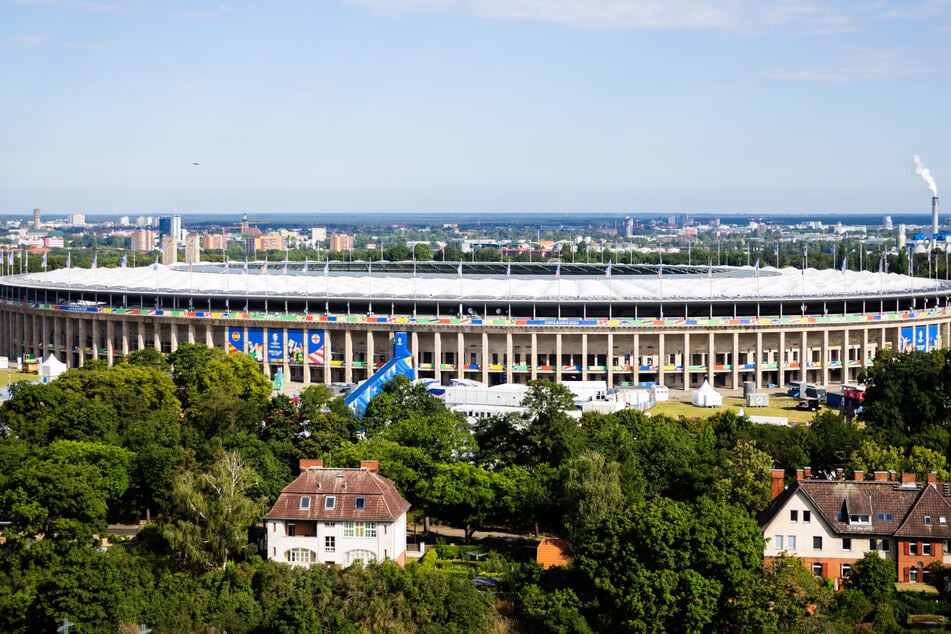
x,y
728,15
860,65
24,41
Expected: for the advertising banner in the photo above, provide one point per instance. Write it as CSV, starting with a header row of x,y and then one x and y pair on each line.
x,y
235,340
315,347
275,346
295,346
255,344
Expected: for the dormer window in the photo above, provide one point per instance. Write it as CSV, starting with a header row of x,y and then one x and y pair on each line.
x,y
330,502
864,520
886,517
927,520
942,520
305,502
359,503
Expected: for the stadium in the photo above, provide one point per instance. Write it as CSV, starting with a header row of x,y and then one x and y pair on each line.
x,y
491,322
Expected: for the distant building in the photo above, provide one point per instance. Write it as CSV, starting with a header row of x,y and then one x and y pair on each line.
x,y
171,226
169,250
37,221
270,242
318,234
341,242
192,248
214,242
552,552
77,220
338,517
143,240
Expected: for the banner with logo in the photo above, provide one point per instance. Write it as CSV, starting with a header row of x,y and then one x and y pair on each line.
x,y
255,344
295,346
315,347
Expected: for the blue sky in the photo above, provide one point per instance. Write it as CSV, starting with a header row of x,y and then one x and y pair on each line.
x,y
472,105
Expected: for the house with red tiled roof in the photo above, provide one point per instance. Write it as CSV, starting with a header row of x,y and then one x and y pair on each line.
x,y
337,516
830,522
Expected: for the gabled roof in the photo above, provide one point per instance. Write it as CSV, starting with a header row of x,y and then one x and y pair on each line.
x,y
380,499
892,508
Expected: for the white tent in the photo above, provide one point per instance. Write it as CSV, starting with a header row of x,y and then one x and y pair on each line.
x,y
51,368
706,396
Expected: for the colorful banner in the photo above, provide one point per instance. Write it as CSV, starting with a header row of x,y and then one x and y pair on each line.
x,y
255,344
235,340
907,339
921,338
315,347
295,346
401,345
933,341
275,346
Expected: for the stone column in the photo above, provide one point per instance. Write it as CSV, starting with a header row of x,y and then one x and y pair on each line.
x,y
558,358
735,360
437,355
82,341
759,359
347,356
846,373
509,358
125,337
460,355
110,337
534,357
610,360
661,358
69,360
173,338
711,358
825,356
328,357
686,360
864,347
636,359
804,356
584,356
781,361
485,357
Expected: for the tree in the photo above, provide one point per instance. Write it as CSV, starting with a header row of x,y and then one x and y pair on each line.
x,y
592,493
871,456
423,252
209,510
874,576
188,364
551,429
147,357
744,478
461,494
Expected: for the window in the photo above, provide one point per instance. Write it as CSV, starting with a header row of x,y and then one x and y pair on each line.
x,y
913,548
926,549
806,516
886,517
793,516
846,543
927,520
359,503
860,519
942,520
359,529
291,529
330,544
817,570
330,524
790,542
817,542
778,541
886,545
846,571
330,502
300,555
305,502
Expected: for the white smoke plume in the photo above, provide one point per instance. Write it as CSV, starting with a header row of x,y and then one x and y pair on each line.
x,y
925,174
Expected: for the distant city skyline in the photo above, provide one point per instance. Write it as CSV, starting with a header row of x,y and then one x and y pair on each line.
x,y
458,106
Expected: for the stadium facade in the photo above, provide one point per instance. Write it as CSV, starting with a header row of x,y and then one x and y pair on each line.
x,y
496,323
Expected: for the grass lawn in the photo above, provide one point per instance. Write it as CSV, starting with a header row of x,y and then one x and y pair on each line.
x,y
778,406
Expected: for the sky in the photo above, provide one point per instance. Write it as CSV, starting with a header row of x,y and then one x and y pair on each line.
x,y
459,106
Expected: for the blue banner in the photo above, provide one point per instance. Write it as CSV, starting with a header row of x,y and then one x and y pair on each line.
x,y
315,347
932,336
295,346
921,338
275,346
235,340
907,339
401,345
255,344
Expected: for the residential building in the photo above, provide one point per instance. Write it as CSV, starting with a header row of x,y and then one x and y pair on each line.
x,y
337,516
143,240
214,242
830,522
341,242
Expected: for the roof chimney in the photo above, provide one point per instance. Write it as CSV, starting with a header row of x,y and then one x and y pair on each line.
x,y
807,473
858,475
799,474
306,463
880,476
373,466
840,474
777,482
932,477
907,478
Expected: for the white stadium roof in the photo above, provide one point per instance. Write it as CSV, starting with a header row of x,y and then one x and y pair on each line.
x,y
740,283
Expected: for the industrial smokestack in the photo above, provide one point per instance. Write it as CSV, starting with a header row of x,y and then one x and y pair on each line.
x,y
934,216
